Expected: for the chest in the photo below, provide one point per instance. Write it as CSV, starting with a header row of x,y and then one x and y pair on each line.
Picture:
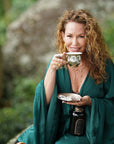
x,y
77,78
85,86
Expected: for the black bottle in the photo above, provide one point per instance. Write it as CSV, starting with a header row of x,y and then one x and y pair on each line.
x,y
77,121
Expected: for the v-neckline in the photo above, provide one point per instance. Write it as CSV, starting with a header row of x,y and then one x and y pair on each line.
x,y
82,85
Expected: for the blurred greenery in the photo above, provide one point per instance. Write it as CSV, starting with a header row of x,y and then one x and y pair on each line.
x,y
18,115
10,11
24,90
14,119
109,33
18,102
17,112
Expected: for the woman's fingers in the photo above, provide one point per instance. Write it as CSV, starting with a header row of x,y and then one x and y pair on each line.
x,y
79,103
86,100
58,61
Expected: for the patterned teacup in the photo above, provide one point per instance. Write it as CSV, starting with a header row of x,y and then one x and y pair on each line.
x,y
73,58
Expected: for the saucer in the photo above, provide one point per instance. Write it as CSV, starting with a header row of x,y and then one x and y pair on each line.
x,y
71,97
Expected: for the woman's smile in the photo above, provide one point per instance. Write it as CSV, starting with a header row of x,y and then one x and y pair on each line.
x,y
74,49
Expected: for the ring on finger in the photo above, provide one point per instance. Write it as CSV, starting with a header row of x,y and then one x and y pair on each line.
x,y
58,65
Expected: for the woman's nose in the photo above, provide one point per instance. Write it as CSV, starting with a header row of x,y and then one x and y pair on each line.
x,y
74,41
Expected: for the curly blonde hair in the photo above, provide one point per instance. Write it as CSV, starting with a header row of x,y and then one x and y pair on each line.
x,y
96,51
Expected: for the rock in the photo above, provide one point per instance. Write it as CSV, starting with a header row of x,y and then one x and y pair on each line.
x,y
13,140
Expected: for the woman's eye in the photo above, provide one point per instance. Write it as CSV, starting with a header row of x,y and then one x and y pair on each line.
x,y
69,36
81,36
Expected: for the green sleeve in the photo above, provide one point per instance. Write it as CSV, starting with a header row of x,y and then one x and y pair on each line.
x,y
39,113
101,127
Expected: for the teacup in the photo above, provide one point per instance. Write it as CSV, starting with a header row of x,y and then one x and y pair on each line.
x,y
73,58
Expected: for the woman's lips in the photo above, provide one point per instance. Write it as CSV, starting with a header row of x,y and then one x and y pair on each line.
x,y
73,49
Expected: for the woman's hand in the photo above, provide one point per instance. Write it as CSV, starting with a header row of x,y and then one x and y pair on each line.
x,y
58,60
86,100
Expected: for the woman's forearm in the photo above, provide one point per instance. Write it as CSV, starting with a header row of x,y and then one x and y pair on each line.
x,y
49,83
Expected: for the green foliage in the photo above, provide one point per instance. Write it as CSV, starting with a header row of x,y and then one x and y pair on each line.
x,y
19,6
24,90
1,8
108,31
14,120
2,31
17,117
20,92
20,96
6,17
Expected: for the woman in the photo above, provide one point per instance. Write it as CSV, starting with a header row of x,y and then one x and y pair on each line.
x,y
93,79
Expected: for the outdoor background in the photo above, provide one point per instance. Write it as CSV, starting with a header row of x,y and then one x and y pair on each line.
x,y
27,42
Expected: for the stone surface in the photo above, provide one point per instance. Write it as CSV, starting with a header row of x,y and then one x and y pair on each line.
x,y
13,140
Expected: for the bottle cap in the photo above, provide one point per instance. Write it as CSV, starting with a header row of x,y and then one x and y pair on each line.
x,y
79,109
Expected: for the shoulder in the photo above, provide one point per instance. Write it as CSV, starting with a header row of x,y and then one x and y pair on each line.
x,y
109,82
109,66
109,72
109,61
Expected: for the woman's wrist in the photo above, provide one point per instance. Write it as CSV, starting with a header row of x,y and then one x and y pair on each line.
x,y
52,68
89,101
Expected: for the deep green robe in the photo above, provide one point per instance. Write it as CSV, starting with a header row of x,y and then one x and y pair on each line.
x,y
51,123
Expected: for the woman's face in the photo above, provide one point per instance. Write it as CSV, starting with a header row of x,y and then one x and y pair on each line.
x,y
74,37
